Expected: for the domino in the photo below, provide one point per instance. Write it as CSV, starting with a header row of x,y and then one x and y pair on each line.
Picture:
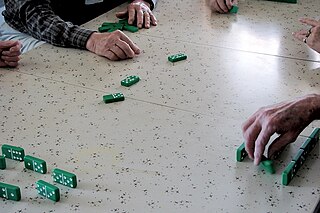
x,y
113,98
35,164
10,192
12,152
64,178
177,57
130,80
131,28
234,9
3,164
47,190
241,153
299,159
288,173
267,164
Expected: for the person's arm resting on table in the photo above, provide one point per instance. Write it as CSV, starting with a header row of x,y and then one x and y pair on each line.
x,y
37,19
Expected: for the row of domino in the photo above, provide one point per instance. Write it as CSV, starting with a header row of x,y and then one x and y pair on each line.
x,y
45,189
296,162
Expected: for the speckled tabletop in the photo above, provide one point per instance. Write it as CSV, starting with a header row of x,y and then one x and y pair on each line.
x,y
170,146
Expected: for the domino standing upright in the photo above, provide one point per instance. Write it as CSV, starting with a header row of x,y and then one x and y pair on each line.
x,y
13,152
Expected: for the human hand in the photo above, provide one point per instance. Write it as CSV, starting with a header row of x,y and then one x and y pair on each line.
x,y
221,6
9,53
114,46
140,12
312,36
287,119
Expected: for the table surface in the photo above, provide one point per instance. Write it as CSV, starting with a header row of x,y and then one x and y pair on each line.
x,y
170,146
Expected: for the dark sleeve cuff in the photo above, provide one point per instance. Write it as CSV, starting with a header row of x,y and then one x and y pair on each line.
x,y
152,3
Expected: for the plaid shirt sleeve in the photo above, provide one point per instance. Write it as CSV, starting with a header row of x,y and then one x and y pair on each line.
x,y
36,18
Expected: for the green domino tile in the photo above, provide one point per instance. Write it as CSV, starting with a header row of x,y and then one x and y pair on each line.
x,y
3,164
103,29
35,164
10,192
177,57
241,153
267,164
130,80
123,21
64,178
287,174
234,9
306,145
130,28
315,135
12,152
299,158
47,190
107,24
113,97
112,29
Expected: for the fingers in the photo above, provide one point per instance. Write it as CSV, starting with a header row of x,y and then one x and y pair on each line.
x,y
280,142
132,15
300,35
8,44
229,4
153,19
133,46
125,49
310,21
139,18
250,136
261,142
147,20
122,14
222,5
215,7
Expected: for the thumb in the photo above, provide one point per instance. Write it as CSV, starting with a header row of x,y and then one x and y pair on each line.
x,y
122,14
280,143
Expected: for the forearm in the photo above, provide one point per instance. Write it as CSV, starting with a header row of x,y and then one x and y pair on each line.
x,y
38,20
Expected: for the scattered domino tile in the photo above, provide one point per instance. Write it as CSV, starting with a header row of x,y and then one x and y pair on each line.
x,y
35,164
241,153
267,164
64,178
3,164
10,192
130,80
288,174
113,97
47,190
234,9
13,152
177,57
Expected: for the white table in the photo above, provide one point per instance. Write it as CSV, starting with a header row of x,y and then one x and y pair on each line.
x,y
170,146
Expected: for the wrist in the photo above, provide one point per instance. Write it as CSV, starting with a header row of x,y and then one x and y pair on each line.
x,y
90,42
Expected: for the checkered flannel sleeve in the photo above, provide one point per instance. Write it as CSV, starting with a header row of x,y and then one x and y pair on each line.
x,y
37,19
